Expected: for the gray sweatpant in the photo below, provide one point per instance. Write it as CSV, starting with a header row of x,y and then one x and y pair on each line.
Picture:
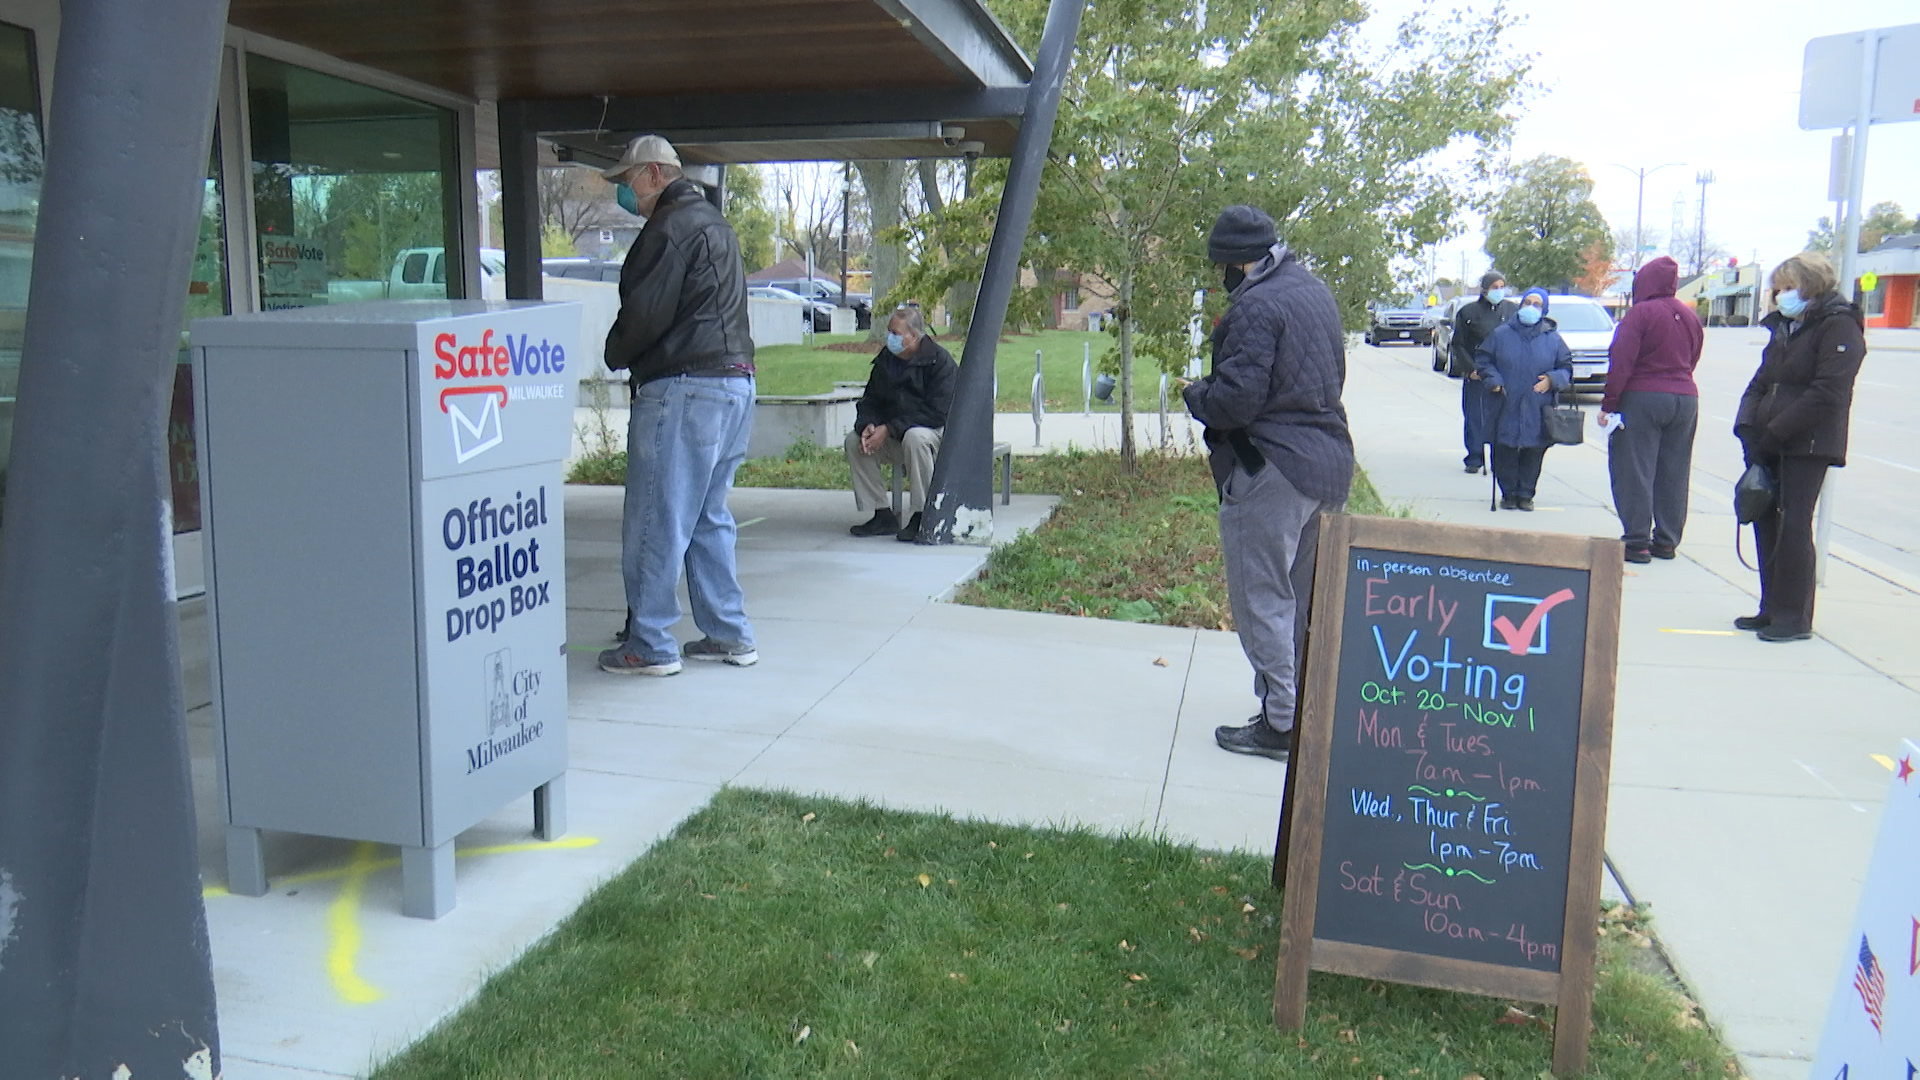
x,y
1650,461
1269,532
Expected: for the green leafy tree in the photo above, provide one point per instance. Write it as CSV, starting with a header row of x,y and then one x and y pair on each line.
x,y
747,211
1175,109
1883,219
1820,237
1541,229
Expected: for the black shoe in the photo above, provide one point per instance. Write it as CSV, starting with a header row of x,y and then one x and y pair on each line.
x,y
912,532
1659,552
1523,504
1781,633
882,523
1639,555
1474,470
1752,622
1508,502
1257,737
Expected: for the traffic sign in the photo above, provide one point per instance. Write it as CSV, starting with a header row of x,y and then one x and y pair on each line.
x,y
1831,76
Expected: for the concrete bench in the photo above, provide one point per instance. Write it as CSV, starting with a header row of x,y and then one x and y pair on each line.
x,y
1002,453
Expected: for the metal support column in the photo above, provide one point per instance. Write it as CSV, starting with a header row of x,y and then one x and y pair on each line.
x,y
960,503
520,201
104,968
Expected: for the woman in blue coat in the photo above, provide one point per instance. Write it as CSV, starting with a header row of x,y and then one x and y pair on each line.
x,y
1524,364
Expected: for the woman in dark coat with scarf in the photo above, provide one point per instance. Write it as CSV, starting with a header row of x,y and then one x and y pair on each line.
x,y
1793,419
1524,363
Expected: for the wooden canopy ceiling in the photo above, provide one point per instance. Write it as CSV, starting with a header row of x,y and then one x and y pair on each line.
x,y
519,49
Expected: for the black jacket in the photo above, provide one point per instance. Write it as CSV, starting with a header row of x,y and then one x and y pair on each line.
x,y
1799,401
1279,366
908,392
683,294
1472,324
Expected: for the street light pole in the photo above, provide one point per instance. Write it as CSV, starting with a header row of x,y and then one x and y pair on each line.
x,y
1639,202
1700,233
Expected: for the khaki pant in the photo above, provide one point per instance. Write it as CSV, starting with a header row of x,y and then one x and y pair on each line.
x,y
917,451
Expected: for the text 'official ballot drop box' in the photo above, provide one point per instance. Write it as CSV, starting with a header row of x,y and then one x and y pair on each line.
x,y
386,573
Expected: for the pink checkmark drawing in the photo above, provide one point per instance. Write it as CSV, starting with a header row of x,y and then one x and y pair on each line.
x,y
1519,638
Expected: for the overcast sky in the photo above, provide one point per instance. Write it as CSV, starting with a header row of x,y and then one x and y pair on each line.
x,y
1715,86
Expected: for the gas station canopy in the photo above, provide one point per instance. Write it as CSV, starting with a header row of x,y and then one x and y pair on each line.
x,y
728,81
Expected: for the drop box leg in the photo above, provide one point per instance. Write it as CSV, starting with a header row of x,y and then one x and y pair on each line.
x,y
246,862
550,809
426,881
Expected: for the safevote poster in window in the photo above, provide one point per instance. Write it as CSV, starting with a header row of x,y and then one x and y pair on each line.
x,y
1873,1017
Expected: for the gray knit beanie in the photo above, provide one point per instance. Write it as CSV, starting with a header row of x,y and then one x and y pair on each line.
x,y
1242,234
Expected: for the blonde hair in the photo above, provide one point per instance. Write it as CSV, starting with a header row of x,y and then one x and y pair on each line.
x,y
1809,272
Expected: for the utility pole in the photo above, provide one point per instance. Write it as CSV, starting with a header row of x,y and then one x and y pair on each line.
x,y
1639,202
846,216
1700,234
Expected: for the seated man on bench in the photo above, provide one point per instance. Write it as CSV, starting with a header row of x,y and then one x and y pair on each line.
x,y
899,421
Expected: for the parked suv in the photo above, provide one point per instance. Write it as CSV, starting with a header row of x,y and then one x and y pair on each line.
x,y
1443,329
1587,329
1399,325
824,290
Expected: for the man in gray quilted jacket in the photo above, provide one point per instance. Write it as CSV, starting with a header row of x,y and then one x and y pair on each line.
x,y
1280,451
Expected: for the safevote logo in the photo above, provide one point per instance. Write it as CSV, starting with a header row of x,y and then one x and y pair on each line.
x,y
473,404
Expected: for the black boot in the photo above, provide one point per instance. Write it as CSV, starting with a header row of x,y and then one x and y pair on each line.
x,y
912,532
882,523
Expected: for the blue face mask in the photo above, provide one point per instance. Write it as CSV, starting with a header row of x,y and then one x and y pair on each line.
x,y
1496,294
628,201
1790,303
1530,315
896,345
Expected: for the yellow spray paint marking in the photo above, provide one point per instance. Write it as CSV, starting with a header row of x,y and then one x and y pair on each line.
x,y
343,927
1700,633
1885,761
343,915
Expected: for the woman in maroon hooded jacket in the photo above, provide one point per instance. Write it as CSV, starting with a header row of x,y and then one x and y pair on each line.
x,y
1650,385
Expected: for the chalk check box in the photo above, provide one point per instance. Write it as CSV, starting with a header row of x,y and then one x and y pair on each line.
x,y
1516,609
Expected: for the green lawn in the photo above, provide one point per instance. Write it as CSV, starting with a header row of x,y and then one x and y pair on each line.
x,y
802,369
1141,548
780,936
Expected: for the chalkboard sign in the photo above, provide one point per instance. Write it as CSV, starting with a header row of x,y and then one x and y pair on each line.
x,y
1447,799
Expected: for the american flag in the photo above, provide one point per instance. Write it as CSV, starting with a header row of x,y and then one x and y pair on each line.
x,y
1872,984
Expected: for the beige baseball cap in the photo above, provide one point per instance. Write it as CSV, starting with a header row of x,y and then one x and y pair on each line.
x,y
645,150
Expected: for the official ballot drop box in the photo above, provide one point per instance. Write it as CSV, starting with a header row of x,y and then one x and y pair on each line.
x,y
386,573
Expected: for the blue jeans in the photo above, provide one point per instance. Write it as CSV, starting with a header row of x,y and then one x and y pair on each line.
x,y
685,437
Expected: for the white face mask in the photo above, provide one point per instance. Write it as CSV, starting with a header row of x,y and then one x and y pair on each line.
x,y
1530,315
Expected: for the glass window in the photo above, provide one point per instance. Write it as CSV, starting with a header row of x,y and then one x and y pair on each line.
x,y
1876,299
206,295
350,184
21,167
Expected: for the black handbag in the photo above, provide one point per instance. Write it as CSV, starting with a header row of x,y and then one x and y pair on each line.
x,y
1566,425
1755,494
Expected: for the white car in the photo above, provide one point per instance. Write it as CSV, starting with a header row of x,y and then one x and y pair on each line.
x,y
1587,329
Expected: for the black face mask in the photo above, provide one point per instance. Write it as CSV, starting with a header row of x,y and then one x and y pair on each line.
x,y
1234,277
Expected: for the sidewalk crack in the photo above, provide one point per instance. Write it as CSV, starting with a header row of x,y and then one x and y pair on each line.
x,y
1173,743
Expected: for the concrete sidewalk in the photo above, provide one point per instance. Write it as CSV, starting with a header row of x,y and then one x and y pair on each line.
x,y
1742,807
867,687
1745,791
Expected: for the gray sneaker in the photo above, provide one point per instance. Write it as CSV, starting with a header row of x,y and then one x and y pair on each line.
x,y
711,650
621,661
